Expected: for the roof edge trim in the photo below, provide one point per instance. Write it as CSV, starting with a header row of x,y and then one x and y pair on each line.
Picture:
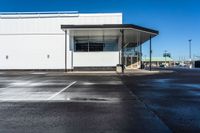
x,y
109,26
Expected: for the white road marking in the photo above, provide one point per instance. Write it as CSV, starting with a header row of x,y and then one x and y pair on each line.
x,y
61,90
30,100
22,100
34,84
105,82
38,73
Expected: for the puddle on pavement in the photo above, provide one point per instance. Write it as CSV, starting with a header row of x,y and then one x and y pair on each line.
x,y
170,84
91,99
191,85
88,99
162,80
166,83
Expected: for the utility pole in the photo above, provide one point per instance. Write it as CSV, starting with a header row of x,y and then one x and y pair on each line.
x,y
165,54
190,52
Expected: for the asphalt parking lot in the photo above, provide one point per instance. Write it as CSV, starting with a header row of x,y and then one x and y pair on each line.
x,y
96,103
173,97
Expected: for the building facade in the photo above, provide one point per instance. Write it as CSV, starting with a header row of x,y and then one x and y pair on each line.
x,y
68,40
159,61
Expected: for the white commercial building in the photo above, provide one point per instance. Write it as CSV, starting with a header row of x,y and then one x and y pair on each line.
x,y
69,40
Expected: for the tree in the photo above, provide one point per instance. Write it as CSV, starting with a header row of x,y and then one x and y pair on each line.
x,y
166,54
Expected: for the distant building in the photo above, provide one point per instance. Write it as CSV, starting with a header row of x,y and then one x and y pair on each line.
x,y
158,61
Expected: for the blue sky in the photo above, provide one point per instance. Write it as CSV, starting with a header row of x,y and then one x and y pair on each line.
x,y
177,20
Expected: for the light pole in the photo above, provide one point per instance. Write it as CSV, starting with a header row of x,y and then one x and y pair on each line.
x,y
165,55
190,56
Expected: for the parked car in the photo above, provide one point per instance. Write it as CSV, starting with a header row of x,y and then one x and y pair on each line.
x,y
182,65
162,65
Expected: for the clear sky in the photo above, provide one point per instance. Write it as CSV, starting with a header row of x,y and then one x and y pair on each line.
x,y
177,20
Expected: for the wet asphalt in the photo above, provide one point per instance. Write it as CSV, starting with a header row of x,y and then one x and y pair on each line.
x,y
42,102
173,97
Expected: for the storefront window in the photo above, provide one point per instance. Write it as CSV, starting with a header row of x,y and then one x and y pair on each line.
x,y
95,44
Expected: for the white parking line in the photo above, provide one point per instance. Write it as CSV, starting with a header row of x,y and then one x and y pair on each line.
x,y
38,73
61,90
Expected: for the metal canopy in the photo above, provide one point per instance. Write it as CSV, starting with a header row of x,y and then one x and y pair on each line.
x,y
132,33
112,26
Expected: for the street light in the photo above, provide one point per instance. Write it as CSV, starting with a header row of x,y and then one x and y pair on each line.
x,y
165,55
190,41
190,56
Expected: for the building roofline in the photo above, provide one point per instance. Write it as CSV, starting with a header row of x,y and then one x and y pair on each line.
x,y
110,26
27,15
59,12
51,14
36,13
100,14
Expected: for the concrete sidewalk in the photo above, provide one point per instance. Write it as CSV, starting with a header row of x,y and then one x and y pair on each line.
x,y
146,71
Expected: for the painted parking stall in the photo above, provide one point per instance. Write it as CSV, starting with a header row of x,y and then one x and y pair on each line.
x,y
35,87
43,86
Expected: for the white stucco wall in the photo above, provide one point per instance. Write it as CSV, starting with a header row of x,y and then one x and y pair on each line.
x,y
27,40
30,52
35,24
95,59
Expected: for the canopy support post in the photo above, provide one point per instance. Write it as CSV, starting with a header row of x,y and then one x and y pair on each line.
x,y
122,48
